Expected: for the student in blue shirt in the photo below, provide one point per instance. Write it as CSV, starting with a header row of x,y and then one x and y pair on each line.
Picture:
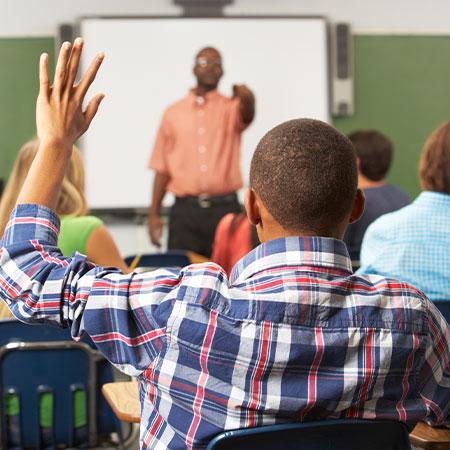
x,y
413,243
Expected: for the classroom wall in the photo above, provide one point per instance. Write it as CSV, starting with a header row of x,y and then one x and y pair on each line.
x,y
397,59
43,16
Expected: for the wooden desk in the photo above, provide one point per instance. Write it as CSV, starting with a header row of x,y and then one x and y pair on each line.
x,y
124,400
424,436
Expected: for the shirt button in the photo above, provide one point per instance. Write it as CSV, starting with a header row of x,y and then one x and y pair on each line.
x,y
202,149
203,167
201,112
200,100
201,131
204,187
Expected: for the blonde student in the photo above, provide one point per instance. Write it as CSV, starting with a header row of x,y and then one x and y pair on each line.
x,y
79,231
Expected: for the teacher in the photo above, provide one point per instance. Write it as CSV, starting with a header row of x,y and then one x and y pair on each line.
x,y
196,156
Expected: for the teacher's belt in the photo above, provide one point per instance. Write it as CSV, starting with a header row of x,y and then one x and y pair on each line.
x,y
207,201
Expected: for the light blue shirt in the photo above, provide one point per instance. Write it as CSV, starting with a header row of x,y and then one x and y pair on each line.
x,y
413,245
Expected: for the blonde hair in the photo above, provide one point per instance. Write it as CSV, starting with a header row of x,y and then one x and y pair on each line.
x,y
71,200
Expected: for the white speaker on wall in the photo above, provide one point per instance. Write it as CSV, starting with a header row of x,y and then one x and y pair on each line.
x,y
342,70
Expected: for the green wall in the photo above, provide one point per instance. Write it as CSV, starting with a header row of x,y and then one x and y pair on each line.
x,y
19,86
402,88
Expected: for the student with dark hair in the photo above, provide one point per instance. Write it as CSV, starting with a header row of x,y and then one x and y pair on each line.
x,y
413,244
373,154
292,336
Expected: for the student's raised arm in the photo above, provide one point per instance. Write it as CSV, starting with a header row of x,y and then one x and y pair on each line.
x,y
125,314
60,121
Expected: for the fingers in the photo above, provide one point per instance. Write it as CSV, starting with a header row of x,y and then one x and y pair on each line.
x,y
89,76
92,108
73,64
44,80
61,67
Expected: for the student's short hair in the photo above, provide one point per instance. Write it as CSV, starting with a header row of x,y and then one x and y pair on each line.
x,y
434,168
304,171
374,151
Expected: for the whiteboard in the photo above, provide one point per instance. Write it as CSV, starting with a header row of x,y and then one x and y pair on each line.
x,y
148,66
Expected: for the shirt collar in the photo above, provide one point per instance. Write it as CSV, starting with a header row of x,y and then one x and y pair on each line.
x,y
327,254
209,96
433,199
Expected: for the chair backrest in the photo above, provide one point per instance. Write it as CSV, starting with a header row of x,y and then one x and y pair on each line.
x,y
12,332
171,258
340,434
444,308
48,394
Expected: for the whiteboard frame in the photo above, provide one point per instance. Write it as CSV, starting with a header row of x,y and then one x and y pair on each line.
x,y
141,206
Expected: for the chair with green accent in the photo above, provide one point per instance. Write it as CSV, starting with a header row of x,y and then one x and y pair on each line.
x,y
50,390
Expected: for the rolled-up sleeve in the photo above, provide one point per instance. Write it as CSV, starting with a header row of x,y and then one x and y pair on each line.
x,y
125,315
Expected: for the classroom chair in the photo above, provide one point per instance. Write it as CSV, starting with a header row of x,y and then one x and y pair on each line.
x,y
31,358
151,261
444,308
48,395
339,434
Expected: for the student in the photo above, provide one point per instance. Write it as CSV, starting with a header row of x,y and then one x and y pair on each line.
x,y
234,238
374,154
413,244
294,336
196,156
79,232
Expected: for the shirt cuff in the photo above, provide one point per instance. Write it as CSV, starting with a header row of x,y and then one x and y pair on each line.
x,y
31,222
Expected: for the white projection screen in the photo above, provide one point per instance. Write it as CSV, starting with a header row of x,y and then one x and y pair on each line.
x,y
148,66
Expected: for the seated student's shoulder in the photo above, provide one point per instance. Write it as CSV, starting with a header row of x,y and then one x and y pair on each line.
x,y
390,223
204,283
204,275
400,305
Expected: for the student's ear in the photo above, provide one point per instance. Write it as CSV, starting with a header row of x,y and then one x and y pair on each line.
x,y
358,206
252,207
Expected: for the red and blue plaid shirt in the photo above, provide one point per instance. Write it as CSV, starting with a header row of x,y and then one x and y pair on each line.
x,y
292,336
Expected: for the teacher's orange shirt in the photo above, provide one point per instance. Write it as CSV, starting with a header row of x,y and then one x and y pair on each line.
x,y
198,145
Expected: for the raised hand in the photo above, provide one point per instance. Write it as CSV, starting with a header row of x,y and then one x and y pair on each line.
x,y
241,90
59,114
247,102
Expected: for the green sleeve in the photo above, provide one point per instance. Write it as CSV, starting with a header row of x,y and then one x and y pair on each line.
x,y
75,232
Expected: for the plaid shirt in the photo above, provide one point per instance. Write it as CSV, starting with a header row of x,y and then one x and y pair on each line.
x,y
413,245
292,336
